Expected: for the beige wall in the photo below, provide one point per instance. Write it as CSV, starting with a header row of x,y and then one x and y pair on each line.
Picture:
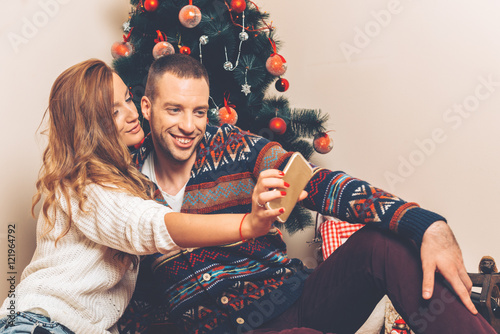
x,y
412,89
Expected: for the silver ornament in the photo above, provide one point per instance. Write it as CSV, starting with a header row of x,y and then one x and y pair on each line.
x,y
228,66
126,26
203,39
243,36
214,112
246,89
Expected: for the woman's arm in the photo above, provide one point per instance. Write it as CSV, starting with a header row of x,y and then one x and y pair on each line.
x,y
130,224
196,230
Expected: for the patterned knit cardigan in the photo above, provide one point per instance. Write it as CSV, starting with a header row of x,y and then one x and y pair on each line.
x,y
237,287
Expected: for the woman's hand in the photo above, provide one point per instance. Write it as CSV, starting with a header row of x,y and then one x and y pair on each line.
x,y
260,220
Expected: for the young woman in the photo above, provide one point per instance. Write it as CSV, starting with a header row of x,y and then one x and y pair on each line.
x,y
97,214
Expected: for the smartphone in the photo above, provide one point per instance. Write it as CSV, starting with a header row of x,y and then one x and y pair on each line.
x,y
297,173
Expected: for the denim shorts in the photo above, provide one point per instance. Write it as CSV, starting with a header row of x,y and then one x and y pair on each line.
x,y
27,322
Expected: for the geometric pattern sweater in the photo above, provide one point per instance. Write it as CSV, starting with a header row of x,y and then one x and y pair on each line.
x,y
237,287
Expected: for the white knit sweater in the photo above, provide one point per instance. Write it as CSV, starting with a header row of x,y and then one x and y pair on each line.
x,y
82,283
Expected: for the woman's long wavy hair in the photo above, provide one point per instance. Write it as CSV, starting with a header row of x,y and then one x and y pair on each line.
x,y
84,146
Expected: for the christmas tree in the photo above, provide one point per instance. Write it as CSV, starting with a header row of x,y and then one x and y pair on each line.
x,y
238,47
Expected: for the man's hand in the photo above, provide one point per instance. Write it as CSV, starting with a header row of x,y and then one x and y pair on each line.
x,y
440,253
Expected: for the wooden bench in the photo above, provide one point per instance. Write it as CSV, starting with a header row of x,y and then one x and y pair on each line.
x,y
487,282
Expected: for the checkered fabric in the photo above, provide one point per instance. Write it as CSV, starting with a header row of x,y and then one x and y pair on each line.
x,y
334,233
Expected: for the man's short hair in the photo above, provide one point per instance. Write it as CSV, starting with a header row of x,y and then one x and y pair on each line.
x,y
180,65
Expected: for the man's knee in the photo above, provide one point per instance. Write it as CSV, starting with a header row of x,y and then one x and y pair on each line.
x,y
377,242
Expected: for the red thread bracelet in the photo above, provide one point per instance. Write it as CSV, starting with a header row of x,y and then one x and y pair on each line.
x,y
241,224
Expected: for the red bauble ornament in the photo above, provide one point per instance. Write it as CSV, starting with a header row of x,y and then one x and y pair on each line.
x,y
228,115
322,143
150,5
276,65
162,49
277,125
238,5
121,49
185,50
190,16
282,85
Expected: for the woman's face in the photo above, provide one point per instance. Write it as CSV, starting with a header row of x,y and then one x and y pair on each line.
x,y
125,114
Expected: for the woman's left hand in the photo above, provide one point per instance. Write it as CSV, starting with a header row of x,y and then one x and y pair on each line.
x,y
270,186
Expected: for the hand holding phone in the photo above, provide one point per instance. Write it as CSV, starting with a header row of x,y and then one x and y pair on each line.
x,y
297,173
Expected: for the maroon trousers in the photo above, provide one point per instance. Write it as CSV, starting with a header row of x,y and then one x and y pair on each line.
x,y
341,293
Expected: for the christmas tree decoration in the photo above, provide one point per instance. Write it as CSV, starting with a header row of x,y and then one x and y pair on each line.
x,y
126,27
122,49
213,112
322,143
228,66
203,41
227,114
282,85
276,65
238,6
185,50
190,15
162,47
243,36
277,125
246,88
150,5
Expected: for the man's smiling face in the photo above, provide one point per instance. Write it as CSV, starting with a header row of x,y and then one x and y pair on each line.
x,y
178,116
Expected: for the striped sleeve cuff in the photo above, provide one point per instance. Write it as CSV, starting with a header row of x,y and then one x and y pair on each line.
x,y
415,221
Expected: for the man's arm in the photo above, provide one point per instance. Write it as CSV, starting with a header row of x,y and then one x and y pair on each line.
x,y
440,253
338,194
356,201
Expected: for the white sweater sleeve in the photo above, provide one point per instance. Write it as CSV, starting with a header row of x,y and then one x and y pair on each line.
x,y
121,221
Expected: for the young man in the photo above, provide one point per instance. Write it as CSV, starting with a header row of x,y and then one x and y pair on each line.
x,y
252,286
